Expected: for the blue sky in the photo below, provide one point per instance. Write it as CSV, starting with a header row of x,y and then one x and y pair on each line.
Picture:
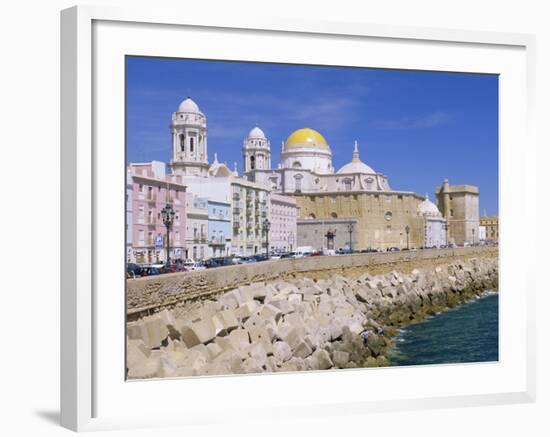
x,y
415,127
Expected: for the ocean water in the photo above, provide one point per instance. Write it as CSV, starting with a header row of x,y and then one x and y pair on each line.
x,y
466,334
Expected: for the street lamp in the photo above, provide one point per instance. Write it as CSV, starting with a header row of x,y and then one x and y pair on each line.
x,y
473,236
291,241
407,230
350,230
265,226
168,214
330,238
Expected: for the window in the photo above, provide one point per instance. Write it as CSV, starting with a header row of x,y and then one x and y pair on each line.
x,y
296,164
347,184
182,142
334,215
252,162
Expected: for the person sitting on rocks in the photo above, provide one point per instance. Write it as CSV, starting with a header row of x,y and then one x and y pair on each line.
x,y
365,337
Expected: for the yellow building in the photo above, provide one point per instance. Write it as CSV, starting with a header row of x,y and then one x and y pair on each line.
x,y
490,223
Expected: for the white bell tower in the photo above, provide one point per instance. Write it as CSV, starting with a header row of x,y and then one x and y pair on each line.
x,y
189,140
256,151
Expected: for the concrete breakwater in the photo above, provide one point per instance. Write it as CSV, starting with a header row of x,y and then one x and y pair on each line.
x,y
299,323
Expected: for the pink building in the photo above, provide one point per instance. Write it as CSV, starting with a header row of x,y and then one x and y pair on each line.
x,y
148,190
284,216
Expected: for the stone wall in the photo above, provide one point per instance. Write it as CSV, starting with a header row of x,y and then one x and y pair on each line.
x,y
149,294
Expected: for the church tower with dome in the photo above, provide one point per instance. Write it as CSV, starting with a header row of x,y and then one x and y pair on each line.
x,y
189,140
256,151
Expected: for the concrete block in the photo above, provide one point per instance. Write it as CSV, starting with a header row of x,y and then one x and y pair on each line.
x,y
167,368
245,310
145,369
283,305
335,332
294,336
228,320
340,359
258,354
136,351
302,349
269,312
254,321
239,338
152,331
258,334
214,349
322,359
324,335
282,351
250,365
202,331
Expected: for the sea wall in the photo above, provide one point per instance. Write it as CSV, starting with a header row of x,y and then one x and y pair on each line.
x,y
150,294
300,323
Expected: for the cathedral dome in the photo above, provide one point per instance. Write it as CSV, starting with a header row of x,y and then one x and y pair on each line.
x,y
188,105
257,133
306,138
356,165
428,208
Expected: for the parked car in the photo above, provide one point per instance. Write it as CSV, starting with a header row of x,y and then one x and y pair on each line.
x,y
150,271
343,251
133,270
192,267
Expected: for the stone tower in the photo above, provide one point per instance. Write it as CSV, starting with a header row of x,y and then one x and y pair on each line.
x,y
189,140
459,205
256,151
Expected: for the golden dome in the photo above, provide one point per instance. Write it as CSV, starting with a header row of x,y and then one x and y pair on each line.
x,y
306,138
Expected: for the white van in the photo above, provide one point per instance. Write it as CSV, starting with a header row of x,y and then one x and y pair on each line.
x,y
303,251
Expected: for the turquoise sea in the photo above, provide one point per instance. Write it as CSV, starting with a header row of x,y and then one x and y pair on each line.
x,y
466,334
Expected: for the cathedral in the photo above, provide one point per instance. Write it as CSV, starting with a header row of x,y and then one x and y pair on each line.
x,y
350,207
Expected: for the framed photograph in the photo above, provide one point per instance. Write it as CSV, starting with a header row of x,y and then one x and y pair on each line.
x,y
287,218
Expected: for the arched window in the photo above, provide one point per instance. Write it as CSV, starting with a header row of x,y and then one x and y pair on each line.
x,y
191,144
182,142
296,164
311,216
252,162
334,215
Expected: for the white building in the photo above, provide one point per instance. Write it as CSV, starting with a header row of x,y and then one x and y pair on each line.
x,y
249,200
196,227
434,224
189,140
306,166
284,218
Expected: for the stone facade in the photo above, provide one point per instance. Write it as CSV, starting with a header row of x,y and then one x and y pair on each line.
x,y
381,218
490,227
459,205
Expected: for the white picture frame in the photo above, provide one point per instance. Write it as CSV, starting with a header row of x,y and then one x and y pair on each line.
x,y
87,401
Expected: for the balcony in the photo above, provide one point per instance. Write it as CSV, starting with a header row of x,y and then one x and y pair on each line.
x,y
152,222
217,241
151,197
200,238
